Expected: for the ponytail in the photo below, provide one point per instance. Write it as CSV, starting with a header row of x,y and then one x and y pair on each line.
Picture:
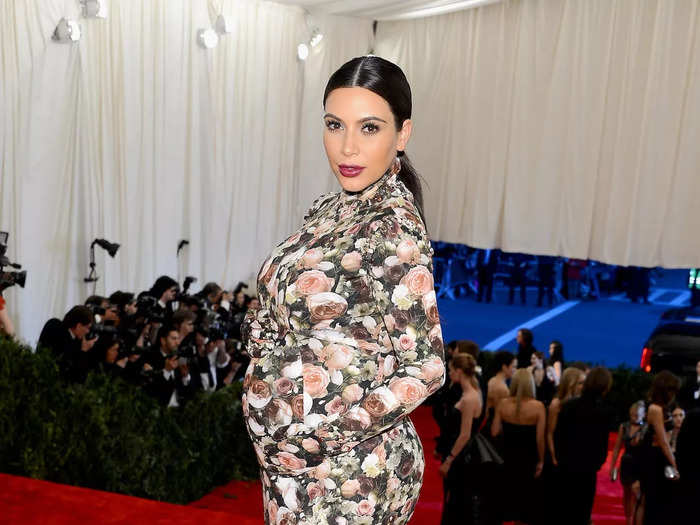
x,y
411,180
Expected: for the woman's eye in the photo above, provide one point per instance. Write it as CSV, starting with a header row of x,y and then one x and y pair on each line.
x,y
332,125
370,128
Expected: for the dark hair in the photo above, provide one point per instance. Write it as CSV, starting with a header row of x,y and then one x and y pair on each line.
x,y
78,314
162,284
209,289
583,367
598,382
465,346
503,358
95,300
164,330
388,81
121,299
664,388
528,338
239,287
558,354
181,316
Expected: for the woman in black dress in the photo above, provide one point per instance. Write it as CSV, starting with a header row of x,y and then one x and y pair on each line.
x,y
630,435
521,420
657,450
461,504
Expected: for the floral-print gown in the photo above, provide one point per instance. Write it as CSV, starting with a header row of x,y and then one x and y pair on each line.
x,y
346,343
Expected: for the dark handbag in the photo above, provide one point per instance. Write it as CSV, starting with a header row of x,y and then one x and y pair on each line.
x,y
480,451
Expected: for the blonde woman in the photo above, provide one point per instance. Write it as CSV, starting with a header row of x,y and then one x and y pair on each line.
x,y
570,386
521,420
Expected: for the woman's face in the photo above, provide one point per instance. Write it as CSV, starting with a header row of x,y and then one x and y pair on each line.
x,y
112,353
637,414
454,374
551,350
678,416
578,387
360,136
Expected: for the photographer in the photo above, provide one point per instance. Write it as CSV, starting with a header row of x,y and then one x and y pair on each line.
x,y
69,343
212,364
171,382
6,327
164,290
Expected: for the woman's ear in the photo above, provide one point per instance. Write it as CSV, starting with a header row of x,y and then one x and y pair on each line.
x,y
404,135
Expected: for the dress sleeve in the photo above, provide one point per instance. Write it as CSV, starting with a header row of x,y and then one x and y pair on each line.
x,y
397,331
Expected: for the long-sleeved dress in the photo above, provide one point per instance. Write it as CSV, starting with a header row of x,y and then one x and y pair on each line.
x,y
346,343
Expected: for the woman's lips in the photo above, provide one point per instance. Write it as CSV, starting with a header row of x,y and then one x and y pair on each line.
x,y
347,170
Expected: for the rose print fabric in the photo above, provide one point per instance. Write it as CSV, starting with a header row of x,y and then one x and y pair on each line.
x,y
346,343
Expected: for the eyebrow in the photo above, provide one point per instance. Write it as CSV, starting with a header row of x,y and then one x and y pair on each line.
x,y
331,115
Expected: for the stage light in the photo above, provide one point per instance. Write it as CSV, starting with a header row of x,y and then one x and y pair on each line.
x,y
302,51
223,25
67,31
110,247
316,37
94,8
207,38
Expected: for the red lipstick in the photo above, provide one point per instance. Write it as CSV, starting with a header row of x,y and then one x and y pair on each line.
x,y
348,170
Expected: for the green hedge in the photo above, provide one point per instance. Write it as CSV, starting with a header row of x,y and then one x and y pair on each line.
x,y
108,435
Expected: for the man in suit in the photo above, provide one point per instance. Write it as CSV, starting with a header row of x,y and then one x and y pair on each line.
x,y
689,396
581,440
171,383
486,263
545,273
68,341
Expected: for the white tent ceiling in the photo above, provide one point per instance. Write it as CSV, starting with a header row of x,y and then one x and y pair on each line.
x,y
387,9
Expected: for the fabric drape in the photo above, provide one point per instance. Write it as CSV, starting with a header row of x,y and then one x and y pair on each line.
x,y
559,127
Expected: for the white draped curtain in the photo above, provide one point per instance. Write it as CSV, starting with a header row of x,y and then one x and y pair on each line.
x,y
560,127
138,135
543,126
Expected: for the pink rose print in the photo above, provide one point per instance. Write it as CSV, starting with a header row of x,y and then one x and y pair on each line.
x,y
408,390
327,305
418,280
313,282
351,262
316,380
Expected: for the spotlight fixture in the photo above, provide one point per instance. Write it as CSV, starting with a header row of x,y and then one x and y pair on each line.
x,y
207,38
94,8
223,25
67,31
110,247
303,51
316,37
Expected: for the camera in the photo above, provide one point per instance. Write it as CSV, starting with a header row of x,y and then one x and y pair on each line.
x,y
8,279
147,307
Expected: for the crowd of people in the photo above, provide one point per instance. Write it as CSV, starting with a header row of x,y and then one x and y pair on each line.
x,y
170,343
556,278
524,438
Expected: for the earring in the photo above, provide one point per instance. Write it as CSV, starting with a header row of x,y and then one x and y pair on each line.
x,y
395,166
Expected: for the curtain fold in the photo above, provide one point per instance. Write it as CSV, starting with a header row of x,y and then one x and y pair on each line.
x,y
559,127
138,135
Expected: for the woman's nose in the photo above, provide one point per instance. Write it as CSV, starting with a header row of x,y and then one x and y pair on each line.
x,y
349,145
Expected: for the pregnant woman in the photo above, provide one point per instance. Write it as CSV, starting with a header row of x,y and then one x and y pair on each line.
x,y
347,341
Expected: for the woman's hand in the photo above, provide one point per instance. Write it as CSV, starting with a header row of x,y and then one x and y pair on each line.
x,y
538,469
445,467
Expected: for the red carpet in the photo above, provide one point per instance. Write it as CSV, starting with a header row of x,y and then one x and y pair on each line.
x,y
28,501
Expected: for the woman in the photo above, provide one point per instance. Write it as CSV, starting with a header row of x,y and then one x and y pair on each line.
x,y
570,386
521,419
555,364
630,434
677,418
657,450
461,423
347,340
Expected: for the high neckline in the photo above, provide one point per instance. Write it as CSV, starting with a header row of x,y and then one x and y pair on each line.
x,y
386,181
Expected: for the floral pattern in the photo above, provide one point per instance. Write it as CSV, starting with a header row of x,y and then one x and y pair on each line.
x,y
346,343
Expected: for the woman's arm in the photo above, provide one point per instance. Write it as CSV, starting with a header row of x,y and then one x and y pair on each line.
x,y
468,408
557,371
616,450
541,419
496,426
551,426
656,422
392,320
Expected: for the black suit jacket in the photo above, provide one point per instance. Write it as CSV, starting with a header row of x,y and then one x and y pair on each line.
x,y
66,349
